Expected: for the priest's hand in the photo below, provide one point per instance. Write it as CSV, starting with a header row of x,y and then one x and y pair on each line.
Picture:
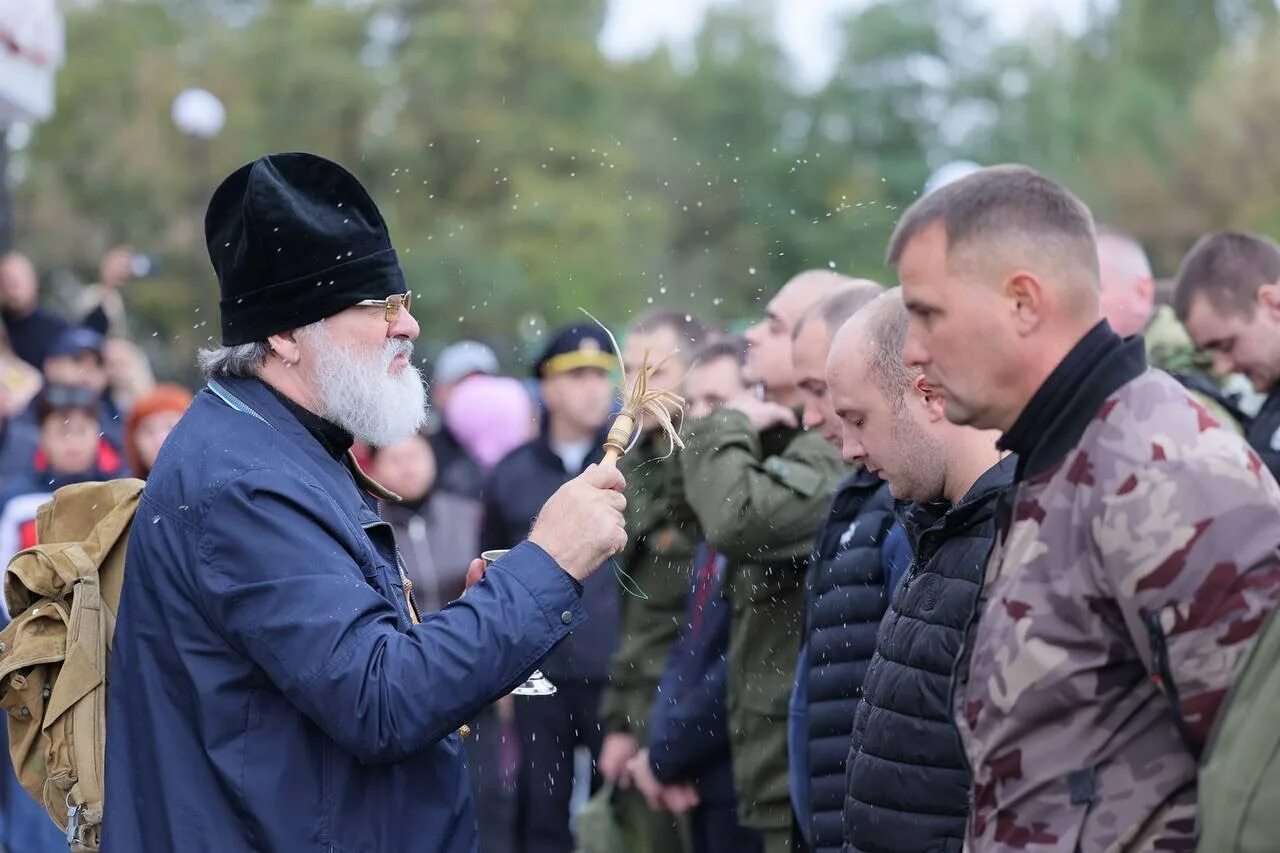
x,y
581,525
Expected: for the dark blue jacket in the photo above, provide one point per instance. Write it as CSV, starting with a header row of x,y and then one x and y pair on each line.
x,y
517,488
688,729
908,779
269,691
848,589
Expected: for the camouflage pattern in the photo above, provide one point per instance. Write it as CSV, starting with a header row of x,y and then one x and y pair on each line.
x,y
1126,581
659,559
760,498
1170,348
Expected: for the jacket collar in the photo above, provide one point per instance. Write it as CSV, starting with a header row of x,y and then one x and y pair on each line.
x,y
945,518
335,440
1068,401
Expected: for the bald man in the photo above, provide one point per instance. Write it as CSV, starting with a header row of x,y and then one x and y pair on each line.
x,y
1136,554
858,555
759,485
1128,301
907,783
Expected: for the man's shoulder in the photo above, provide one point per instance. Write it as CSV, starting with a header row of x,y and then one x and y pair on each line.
x,y
1153,418
214,447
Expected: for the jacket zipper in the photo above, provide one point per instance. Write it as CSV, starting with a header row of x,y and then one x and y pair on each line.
x,y
966,651
404,577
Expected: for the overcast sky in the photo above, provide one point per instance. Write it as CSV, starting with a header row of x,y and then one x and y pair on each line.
x,y
635,26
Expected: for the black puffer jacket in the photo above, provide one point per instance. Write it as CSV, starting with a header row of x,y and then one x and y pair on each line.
x,y
846,598
908,780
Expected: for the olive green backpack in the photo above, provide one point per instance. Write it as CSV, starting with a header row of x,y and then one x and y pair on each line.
x,y
63,595
1240,772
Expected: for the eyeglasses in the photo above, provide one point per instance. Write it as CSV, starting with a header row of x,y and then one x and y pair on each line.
x,y
391,305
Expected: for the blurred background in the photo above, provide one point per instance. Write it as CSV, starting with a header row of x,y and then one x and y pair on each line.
x,y
534,156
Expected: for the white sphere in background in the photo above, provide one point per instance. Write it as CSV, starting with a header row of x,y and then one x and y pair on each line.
x,y
948,172
198,112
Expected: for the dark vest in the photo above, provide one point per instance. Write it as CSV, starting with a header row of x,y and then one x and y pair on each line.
x,y
908,779
845,601
1263,433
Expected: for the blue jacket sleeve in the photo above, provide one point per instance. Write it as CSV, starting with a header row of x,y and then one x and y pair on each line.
x,y
895,557
276,581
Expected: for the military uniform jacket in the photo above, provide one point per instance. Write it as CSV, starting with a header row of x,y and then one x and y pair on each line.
x,y
760,498
1135,561
658,558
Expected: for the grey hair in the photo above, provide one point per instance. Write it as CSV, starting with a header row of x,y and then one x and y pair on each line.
x,y
239,361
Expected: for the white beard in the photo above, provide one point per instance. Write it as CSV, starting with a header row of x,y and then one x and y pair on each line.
x,y
358,392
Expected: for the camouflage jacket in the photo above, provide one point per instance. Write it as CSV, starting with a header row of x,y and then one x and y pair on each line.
x,y
1135,560
760,498
659,556
1170,348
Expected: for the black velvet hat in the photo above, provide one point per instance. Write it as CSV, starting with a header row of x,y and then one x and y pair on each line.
x,y
295,238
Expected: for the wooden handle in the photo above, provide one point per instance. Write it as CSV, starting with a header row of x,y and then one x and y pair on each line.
x,y
615,444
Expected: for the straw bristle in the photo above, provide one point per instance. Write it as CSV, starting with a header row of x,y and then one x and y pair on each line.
x,y
662,405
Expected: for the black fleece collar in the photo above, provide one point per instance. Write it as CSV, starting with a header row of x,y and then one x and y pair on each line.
x,y
1064,406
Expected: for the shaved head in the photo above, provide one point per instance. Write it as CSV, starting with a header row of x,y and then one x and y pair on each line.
x,y
1128,293
810,344
843,302
880,328
769,341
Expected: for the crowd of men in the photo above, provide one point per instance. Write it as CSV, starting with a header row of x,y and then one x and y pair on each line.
x,y
968,563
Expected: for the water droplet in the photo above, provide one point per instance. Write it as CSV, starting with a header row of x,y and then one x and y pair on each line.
x,y
751,270
831,264
155,519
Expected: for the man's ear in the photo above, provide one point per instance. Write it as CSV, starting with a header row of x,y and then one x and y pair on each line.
x,y
284,346
934,405
1029,296
1269,300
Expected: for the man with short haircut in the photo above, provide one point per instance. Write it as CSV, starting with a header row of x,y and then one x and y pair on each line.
x,y
1228,296
715,377
759,486
1136,556
1128,303
850,578
657,559
907,782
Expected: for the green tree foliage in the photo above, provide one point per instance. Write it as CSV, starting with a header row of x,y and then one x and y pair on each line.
x,y
524,175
